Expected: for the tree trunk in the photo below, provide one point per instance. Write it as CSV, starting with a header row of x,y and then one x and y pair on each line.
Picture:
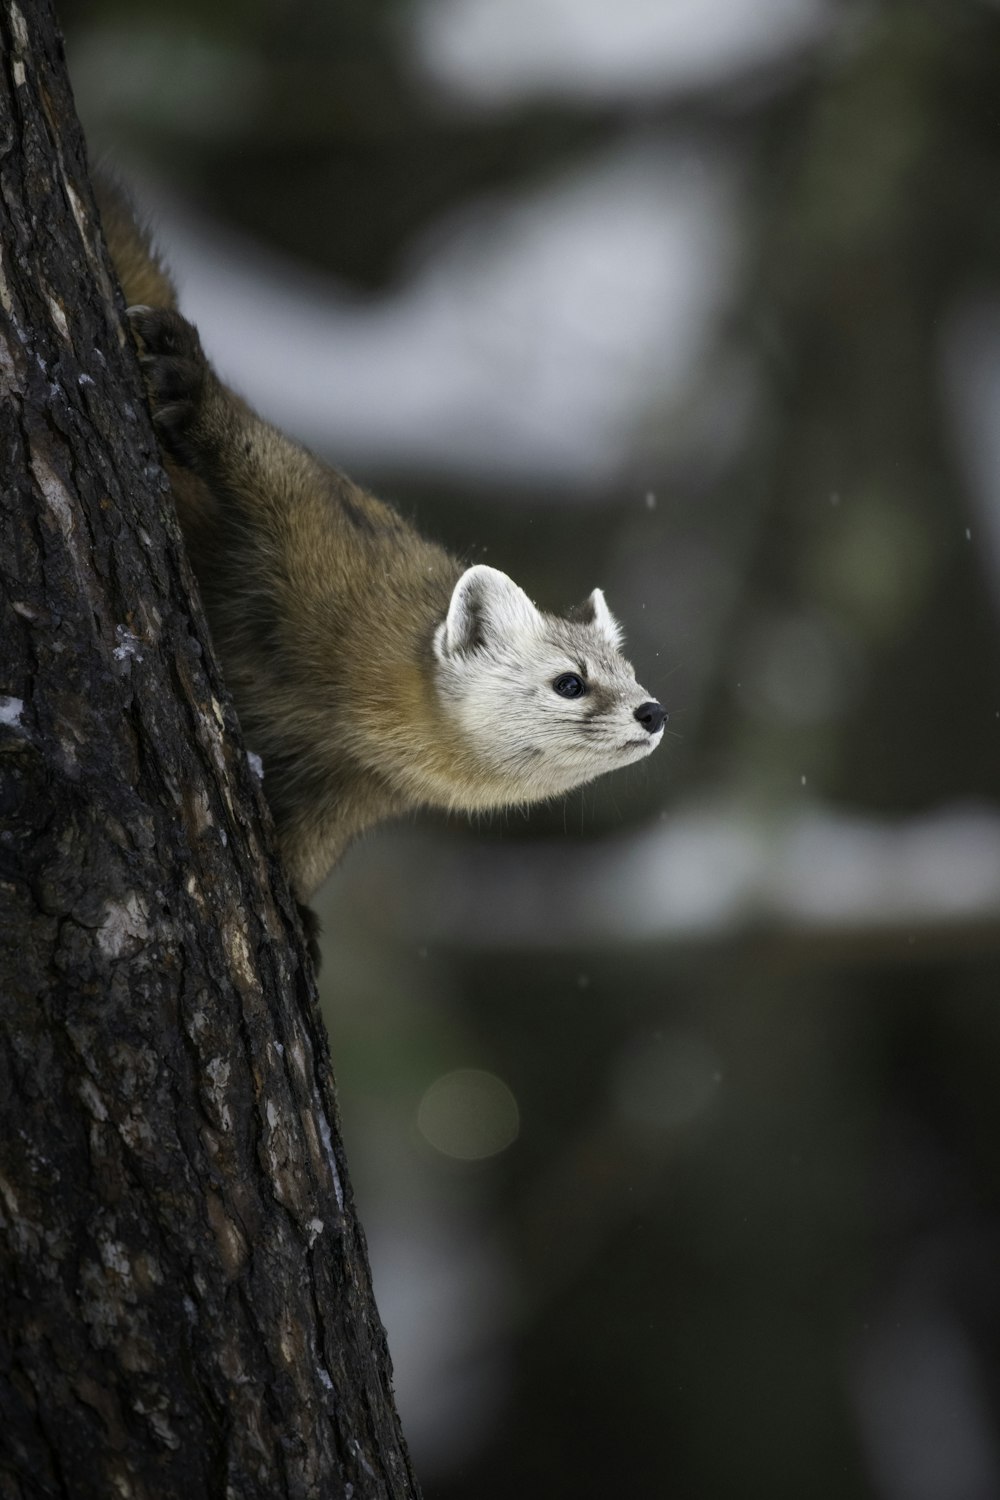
x,y
187,1307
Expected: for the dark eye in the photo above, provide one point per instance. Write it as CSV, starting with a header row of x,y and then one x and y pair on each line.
x,y
570,686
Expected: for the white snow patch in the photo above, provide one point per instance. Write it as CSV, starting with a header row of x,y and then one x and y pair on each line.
x,y
531,334
706,873
920,1400
128,644
495,54
11,710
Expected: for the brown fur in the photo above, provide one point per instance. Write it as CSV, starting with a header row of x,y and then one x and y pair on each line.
x,y
291,557
371,672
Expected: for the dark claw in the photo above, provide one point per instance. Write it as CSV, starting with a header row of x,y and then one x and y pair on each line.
x,y
164,331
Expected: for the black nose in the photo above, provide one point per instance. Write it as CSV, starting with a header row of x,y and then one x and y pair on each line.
x,y
651,716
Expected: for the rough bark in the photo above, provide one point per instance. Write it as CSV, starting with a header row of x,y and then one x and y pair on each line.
x,y
186,1299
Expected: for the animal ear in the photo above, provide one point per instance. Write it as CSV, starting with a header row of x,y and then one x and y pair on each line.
x,y
594,611
485,606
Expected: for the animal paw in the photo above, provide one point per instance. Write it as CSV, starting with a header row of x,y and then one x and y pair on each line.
x,y
175,370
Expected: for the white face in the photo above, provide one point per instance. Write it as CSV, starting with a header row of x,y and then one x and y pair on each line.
x,y
547,703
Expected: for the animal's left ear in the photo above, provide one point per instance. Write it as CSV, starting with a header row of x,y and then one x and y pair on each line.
x,y
594,611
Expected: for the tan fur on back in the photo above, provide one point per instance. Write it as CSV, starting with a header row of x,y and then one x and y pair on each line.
x,y
372,672
142,274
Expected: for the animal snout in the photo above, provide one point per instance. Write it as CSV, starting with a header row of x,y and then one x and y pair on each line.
x,y
652,716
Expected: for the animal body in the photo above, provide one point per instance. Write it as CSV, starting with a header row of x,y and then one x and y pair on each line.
x,y
372,671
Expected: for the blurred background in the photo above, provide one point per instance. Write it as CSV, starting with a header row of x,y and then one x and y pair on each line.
x,y
673,1108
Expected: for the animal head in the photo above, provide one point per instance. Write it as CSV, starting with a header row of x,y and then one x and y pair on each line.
x,y
547,703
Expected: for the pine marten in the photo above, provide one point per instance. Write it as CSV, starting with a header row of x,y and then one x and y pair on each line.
x,y
372,671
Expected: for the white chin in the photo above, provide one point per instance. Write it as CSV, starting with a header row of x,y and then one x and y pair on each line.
x,y
636,749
